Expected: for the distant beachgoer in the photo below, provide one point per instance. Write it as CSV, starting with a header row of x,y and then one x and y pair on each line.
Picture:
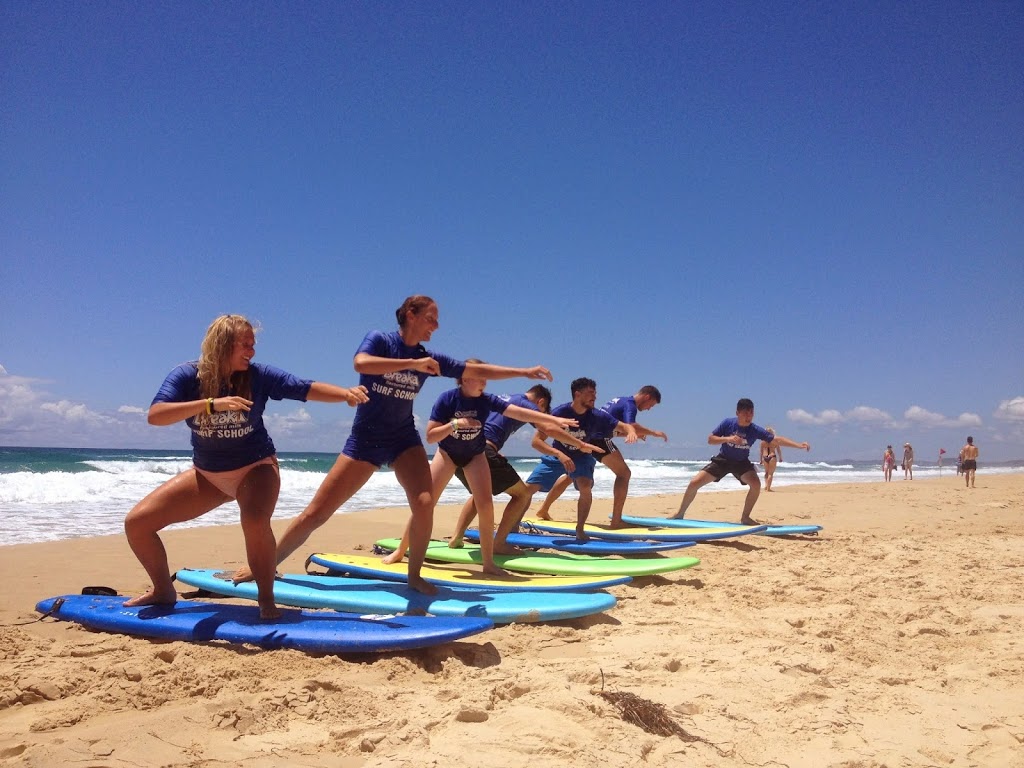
x,y
888,462
771,455
393,367
560,459
970,454
457,425
908,462
735,436
960,462
222,398
624,409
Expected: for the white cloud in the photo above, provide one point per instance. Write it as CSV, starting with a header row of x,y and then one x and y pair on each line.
x,y
830,416
132,409
75,412
1010,410
925,418
288,423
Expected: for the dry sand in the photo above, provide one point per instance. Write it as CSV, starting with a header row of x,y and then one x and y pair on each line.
x,y
893,639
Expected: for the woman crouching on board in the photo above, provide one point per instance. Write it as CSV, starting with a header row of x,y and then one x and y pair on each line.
x,y
222,397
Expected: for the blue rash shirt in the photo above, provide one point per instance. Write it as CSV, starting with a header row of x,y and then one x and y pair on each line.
x,y
499,428
452,404
594,424
388,413
750,434
227,440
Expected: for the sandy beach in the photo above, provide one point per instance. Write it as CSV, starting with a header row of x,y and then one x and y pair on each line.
x,y
893,639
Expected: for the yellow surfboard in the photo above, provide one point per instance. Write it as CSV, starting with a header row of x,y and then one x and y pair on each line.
x,y
639,533
460,576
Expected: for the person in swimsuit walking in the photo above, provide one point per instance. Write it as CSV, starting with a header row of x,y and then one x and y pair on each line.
x,y
771,455
222,397
908,462
970,454
888,463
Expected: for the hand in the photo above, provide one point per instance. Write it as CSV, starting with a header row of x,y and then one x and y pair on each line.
x,y
232,403
589,448
355,395
735,440
567,463
806,446
538,372
662,435
427,365
566,423
468,424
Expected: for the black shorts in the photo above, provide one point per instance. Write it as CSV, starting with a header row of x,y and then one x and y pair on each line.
x,y
605,444
720,466
971,464
503,475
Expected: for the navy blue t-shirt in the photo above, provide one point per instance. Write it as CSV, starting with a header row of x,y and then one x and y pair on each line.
x,y
388,413
594,425
452,404
622,408
750,434
499,428
227,440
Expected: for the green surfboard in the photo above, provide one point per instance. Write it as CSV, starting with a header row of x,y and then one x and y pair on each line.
x,y
553,564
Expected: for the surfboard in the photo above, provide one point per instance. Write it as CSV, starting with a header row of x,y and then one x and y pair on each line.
x,y
312,631
772,530
458,576
632,533
370,596
552,564
597,547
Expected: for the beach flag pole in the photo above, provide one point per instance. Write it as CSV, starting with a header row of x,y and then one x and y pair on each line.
x,y
941,451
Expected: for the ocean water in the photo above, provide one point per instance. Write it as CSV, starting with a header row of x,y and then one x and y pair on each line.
x,y
48,494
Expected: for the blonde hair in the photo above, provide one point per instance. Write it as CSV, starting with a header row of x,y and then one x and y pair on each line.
x,y
218,345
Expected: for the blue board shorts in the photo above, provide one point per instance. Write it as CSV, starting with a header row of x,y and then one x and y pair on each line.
x,y
380,452
550,469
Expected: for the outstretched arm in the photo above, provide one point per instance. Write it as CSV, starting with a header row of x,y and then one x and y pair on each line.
x,y
780,440
377,366
488,371
323,392
642,432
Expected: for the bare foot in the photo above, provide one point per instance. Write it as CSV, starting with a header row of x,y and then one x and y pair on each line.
x,y
582,538
543,516
616,524
494,570
676,517
421,586
394,557
270,612
749,521
242,574
506,549
152,597
456,543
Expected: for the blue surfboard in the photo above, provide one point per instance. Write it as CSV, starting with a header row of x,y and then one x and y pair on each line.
x,y
376,596
596,547
312,631
771,530
643,533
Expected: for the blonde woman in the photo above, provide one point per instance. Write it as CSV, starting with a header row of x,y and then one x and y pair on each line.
x,y
771,455
222,397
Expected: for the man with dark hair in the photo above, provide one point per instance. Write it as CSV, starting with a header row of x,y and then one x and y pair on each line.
x,y
625,410
735,436
970,454
561,459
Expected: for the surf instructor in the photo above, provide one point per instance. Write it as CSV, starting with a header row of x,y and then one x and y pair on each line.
x,y
393,368
222,397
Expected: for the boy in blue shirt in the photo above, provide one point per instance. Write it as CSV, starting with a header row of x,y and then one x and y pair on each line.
x,y
735,436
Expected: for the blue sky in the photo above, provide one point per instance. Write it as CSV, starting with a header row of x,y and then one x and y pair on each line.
x,y
818,206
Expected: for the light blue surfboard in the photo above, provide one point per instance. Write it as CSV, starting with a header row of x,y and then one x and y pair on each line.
x,y
771,530
596,547
376,596
312,631
641,533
